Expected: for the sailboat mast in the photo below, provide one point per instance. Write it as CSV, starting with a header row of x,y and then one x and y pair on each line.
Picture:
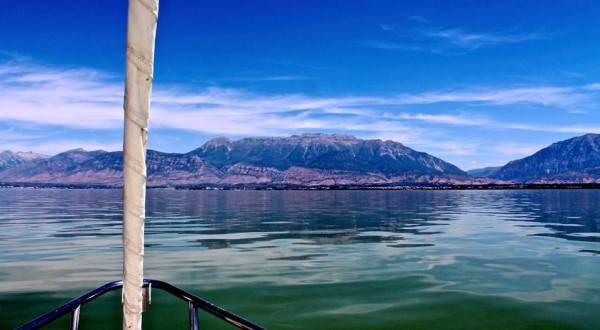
x,y
141,32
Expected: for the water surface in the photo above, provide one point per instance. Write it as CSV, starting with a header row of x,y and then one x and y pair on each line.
x,y
316,259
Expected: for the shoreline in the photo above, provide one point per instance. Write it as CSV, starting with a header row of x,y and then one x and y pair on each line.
x,y
503,186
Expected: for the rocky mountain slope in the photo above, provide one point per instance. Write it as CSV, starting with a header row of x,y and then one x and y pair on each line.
x,y
10,159
573,160
303,160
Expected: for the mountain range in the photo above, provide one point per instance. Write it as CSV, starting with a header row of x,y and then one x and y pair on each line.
x,y
308,160
299,160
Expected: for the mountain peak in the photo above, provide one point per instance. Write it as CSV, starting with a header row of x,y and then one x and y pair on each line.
x,y
9,158
324,152
30,155
217,142
592,138
76,150
322,137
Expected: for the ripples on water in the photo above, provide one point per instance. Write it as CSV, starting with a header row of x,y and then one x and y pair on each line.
x,y
323,259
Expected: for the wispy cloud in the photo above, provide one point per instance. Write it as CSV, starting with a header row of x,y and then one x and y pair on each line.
x,y
557,96
444,40
388,45
514,149
419,19
290,64
386,27
468,40
441,119
460,120
454,148
435,143
571,129
89,99
12,135
270,78
81,98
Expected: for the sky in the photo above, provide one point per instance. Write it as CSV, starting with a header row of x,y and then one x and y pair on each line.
x,y
476,83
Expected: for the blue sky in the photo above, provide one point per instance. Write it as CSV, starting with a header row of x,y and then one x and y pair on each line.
x,y
476,83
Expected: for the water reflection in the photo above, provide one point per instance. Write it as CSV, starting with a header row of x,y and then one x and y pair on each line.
x,y
533,246
321,218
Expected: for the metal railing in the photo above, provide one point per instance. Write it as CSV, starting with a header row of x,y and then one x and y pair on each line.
x,y
194,303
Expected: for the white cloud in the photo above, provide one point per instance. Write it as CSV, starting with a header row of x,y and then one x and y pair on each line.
x,y
91,99
444,40
553,129
270,78
472,40
592,87
37,95
557,96
419,19
386,27
442,119
12,135
388,45
76,98
456,148
449,119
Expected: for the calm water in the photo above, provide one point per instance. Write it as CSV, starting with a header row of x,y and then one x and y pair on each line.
x,y
316,259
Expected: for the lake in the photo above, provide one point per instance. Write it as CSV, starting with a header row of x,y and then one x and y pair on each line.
x,y
509,259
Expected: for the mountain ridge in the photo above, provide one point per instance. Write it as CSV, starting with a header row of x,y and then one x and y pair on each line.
x,y
573,160
305,160
9,158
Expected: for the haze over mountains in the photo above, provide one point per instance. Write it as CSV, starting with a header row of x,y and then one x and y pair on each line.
x,y
484,172
303,160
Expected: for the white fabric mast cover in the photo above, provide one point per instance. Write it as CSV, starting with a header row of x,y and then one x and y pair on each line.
x,y
141,32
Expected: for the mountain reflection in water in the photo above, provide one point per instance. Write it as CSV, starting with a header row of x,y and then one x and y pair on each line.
x,y
318,259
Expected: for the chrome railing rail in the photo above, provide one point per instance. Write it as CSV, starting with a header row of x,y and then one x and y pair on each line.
x,y
194,303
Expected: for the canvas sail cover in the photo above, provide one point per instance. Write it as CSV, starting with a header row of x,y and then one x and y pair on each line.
x,y
141,32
